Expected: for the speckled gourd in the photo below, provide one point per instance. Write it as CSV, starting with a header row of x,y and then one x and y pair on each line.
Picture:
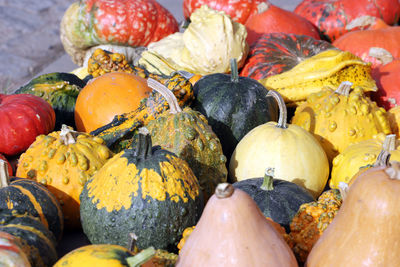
x,y
339,118
362,155
328,68
187,134
63,161
146,190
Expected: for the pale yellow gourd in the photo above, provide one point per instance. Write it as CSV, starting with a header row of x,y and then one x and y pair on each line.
x,y
293,152
362,155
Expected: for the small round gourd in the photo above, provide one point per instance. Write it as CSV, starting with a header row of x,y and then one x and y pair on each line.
x,y
339,117
27,196
11,253
187,134
277,199
281,146
63,161
148,191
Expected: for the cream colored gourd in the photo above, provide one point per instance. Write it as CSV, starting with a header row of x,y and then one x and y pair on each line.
x,y
232,231
365,231
293,152
362,155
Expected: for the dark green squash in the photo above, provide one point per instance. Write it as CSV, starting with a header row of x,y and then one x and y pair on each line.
x,y
38,243
60,90
233,106
277,199
147,191
187,134
28,196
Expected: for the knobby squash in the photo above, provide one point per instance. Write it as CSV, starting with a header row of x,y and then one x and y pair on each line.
x,y
147,191
187,134
63,161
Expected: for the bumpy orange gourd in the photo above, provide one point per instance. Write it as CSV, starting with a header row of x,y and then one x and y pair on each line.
x,y
365,230
339,118
108,95
232,231
63,161
311,221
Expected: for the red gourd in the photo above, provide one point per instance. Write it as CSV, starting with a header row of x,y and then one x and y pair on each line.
x,y
22,118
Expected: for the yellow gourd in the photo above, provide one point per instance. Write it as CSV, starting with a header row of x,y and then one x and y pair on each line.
x,y
339,118
293,152
64,161
362,155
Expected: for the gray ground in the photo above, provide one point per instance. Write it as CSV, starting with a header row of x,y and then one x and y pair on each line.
x,y
30,43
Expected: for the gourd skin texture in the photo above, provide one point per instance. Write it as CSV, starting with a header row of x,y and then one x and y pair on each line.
x,y
328,68
38,243
188,135
64,169
358,155
337,120
96,255
155,198
268,146
24,195
365,226
280,203
233,232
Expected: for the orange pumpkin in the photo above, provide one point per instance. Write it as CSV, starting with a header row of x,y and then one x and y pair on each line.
x,y
108,95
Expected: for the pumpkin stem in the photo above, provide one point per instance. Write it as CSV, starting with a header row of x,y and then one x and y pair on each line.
x,y
187,75
144,144
282,122
381,54
268,183
344,189
67,135
4,175
234,71
141,258
224,190
166,93
388,145
344,88
132,243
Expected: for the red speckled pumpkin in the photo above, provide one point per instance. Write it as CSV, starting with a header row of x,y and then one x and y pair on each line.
x,y
88,23
275,53
332,16
270,18
22,118
239,10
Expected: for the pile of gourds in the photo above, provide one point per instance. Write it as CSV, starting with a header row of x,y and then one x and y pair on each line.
x,y
254,136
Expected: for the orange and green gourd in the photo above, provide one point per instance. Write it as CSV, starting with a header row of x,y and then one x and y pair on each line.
x,y
361,156
63,161
118,133
187,134
339,117
27,196
148,191
311,221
